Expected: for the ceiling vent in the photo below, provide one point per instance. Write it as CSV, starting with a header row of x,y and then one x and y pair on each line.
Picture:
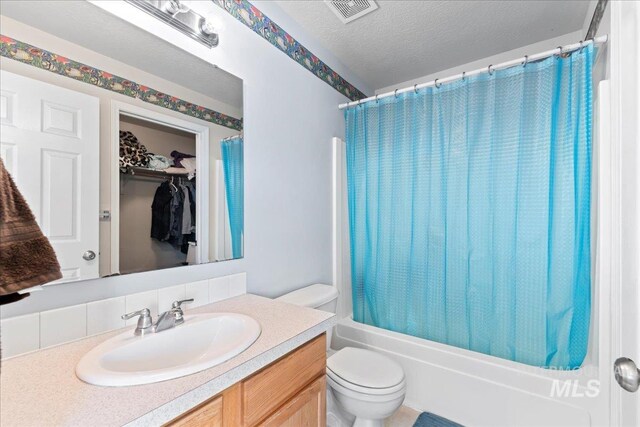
x,y
350,10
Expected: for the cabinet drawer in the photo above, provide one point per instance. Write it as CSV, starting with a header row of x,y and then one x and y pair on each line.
x,y
267,390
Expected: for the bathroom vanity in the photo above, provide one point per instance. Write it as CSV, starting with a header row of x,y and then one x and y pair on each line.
x,y
298,377
278,380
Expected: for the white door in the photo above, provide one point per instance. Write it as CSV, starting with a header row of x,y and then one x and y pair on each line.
x,y
50,144
625,69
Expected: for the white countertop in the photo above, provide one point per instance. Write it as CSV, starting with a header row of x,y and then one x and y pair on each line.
x,y
41,388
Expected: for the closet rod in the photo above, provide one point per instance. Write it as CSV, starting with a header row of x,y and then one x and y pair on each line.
x,y
560,50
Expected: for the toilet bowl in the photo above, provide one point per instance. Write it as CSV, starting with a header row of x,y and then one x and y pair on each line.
x,y
366,386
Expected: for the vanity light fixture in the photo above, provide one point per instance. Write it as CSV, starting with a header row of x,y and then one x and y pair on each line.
x,y
181,17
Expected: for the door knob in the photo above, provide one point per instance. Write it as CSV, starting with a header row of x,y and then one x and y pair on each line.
x,y
89,255
627,374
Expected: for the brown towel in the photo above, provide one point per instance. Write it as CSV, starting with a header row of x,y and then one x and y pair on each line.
x,y
26,256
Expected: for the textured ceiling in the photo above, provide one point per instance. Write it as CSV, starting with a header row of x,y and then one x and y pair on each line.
x,y
403,40
93,28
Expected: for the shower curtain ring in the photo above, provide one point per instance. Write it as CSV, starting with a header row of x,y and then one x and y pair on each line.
x,y
395,93
463,75
376,98
415,88
436,84
526,61
559,54
490,69
581,45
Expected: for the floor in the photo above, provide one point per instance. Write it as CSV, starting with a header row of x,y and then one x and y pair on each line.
x,y
404,417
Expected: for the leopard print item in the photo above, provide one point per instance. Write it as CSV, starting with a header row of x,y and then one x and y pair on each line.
x,y
132,152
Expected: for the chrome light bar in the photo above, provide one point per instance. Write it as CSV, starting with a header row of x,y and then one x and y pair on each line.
x,y
180,17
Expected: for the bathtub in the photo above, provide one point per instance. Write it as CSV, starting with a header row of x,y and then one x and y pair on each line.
x,y
475,389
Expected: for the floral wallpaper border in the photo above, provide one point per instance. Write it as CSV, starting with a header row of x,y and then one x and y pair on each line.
x,y
40,58
253,18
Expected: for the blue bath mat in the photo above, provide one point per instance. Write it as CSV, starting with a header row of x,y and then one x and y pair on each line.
x,y
427,419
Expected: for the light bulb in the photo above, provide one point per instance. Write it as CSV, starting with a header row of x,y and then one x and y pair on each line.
x,y
174,7
207,27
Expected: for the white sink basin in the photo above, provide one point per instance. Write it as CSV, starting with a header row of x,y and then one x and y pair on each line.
x,y
202,341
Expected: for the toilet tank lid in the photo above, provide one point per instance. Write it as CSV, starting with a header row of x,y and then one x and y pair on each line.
x,y
311,296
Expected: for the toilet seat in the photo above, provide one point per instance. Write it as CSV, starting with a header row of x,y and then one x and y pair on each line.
x,y
366,372
357,391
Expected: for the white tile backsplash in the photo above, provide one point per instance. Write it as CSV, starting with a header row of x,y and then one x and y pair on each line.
x,y
166,296
218,288
199,291
135,302
237,284
105,315
62,325
20,334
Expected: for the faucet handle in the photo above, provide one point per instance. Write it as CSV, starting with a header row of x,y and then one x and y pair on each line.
x,y
144,312
177,310
145,322
177,304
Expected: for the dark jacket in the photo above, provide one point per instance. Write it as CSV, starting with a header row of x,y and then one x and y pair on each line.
x,y
161,212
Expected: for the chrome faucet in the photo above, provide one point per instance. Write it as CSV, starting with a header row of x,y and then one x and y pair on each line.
x,y
167,320
171,318
145,322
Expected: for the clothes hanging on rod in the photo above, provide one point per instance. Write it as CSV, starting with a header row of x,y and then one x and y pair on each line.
x,y
177,210
161,212
186,211
173,213
188,216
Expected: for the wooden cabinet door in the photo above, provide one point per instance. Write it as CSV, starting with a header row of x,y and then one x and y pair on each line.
x,y
274,386
306,409
223,410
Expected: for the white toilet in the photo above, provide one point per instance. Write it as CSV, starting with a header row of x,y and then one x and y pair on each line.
x,y
366,385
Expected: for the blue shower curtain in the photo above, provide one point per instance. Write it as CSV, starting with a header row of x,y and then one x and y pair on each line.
x,y
233,165
469,211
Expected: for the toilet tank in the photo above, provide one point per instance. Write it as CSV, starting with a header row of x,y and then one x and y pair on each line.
x,y
318,296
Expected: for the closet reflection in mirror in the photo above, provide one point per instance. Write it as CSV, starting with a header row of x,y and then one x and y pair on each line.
x,y
158,169
128,149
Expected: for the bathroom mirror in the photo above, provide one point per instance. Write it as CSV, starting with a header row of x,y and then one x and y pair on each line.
x,y
128,149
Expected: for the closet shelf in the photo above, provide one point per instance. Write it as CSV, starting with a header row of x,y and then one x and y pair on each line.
x,y
152,173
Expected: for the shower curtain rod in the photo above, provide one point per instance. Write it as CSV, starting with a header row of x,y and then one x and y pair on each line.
x,y
491,68
231,137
